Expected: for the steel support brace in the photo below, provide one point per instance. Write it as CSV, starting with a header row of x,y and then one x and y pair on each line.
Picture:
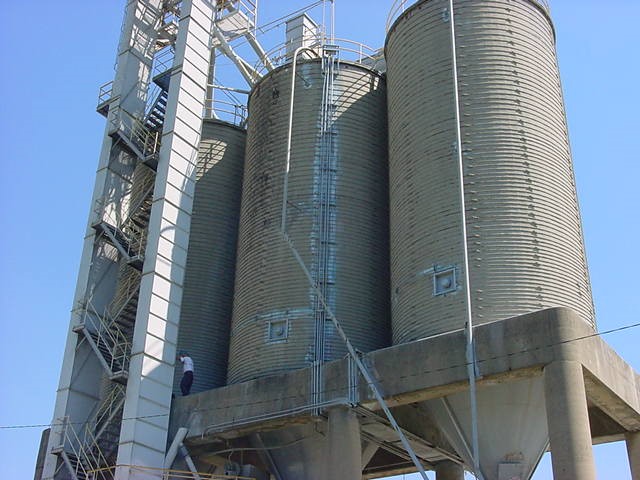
x,y
363,370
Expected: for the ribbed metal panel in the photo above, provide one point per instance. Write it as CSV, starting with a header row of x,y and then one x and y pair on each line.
x,y
339,192
208,284
524,231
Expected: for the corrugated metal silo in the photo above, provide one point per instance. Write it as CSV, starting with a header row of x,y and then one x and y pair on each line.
x,y
208,284
336,217
524,233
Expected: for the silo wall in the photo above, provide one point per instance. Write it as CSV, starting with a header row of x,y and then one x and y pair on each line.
x,y
337,218
524,232
210,267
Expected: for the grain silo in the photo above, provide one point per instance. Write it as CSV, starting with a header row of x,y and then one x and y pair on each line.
x,y
210,267
312,266
336,216
523,225
523,232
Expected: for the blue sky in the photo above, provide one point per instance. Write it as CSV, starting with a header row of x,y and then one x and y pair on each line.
x,y
56,54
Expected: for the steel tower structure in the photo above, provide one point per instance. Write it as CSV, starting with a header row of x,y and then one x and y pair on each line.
x,y
114,396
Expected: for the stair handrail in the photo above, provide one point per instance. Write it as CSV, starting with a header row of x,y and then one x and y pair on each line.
x,y
126,205
91,453
116,307
111,218
89,458
71,443
137,237
162,61
106,408
132,129
109,333
154,93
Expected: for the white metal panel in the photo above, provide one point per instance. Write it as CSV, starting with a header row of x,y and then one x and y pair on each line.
x,y
161,286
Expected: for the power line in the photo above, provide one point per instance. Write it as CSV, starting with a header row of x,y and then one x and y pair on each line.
x,y
341,389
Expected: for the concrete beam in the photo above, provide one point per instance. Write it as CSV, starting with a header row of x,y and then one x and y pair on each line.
x,y
516,348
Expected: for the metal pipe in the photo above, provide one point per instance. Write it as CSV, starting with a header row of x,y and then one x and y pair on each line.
x,y
333,20
189,462
363,370
175,446
217,86
210,86
285,187
470,353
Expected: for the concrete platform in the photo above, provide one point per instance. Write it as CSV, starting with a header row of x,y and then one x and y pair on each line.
x,y
232,419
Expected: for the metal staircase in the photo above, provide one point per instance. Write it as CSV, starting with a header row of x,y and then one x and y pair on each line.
x,y
123,222
80,453
155,117
88,450
168,28
124,305
107,422
129,233
143,141
107,340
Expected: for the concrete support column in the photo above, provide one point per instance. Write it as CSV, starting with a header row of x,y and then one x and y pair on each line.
x,y
568,421
633,450
449,471
345,457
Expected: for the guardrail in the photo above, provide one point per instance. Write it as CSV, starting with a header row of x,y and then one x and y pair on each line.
x,y
348,50
228,111
399,6
105,93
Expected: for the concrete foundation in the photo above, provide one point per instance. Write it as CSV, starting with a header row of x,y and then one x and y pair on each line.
x,y
583,378
633,450
449,471
568,422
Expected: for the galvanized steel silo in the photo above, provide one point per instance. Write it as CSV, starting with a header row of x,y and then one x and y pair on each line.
x,y
210,267
337,218
523,224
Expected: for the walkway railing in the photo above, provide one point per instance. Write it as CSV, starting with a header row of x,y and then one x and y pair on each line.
x,y
348,50
399,6
235,113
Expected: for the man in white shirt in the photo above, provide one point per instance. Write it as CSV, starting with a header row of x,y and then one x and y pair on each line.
x,y
187,373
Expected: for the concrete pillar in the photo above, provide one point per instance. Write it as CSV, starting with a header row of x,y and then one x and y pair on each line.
x,y
448,470
568,422
633,450
345,457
